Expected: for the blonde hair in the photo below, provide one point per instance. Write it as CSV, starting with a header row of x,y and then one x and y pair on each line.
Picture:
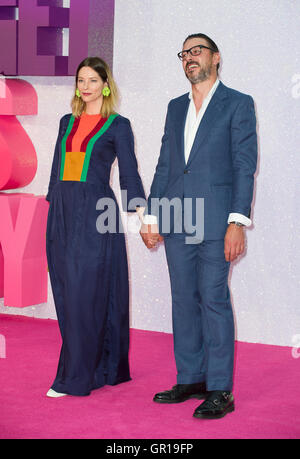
x,y
109,102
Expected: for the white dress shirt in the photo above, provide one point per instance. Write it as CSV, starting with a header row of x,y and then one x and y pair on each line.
x,y
192,123
193,120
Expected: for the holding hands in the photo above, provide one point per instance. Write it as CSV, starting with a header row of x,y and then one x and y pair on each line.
x,y
150,235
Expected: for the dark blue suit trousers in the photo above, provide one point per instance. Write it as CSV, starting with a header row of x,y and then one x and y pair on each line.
x,y
203,323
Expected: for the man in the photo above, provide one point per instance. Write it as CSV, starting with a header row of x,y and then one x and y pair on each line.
x,y
208,154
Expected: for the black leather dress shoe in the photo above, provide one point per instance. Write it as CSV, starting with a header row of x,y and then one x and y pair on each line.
x,y
181,392
216,405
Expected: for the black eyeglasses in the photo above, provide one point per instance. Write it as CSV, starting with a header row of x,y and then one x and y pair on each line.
x,y
194,51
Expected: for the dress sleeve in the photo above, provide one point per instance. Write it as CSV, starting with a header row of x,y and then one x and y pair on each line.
x,y
132,190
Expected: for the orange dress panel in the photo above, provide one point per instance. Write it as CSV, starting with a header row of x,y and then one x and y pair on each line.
x,y
75,158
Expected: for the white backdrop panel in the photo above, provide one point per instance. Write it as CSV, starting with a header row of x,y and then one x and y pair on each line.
x,y
259,43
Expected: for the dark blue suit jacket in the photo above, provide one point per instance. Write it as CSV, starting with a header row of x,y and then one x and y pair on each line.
x,y
221,164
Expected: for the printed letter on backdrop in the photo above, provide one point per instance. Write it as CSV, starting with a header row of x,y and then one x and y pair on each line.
x,y
22,236
23,216
42,37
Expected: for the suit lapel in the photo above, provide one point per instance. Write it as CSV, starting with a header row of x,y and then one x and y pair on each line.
x,y
213,110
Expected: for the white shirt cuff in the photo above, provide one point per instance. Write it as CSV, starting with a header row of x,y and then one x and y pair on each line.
x,y
150,220
234,217
239,218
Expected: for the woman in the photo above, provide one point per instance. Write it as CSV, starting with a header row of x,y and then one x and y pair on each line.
x,y
88,269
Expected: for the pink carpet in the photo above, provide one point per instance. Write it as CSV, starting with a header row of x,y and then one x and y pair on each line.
x,y
267,392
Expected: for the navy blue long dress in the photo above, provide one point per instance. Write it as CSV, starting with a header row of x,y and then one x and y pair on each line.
x,y
88,269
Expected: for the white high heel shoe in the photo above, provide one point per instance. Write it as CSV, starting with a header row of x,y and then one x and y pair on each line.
x,y
51,393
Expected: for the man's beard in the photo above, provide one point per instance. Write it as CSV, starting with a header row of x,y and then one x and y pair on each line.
x,y
201,75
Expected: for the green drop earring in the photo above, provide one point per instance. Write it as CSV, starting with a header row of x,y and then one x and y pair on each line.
x,y
106,91
77,92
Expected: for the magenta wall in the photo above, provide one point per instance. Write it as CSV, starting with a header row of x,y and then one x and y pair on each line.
x,y
33,43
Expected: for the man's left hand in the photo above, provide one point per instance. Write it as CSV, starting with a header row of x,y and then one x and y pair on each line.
x,y
234,243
